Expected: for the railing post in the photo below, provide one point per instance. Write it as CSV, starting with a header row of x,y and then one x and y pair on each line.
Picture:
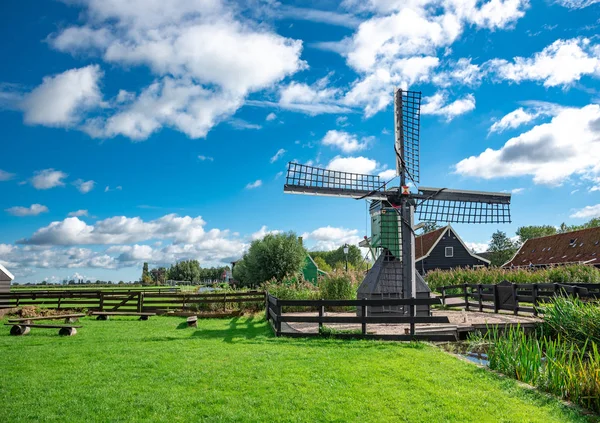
x,y
479,293
140,302
443,295
267,306
534,295
466,297
496,308
101,305
278,323
364,315
225,303
321,314
412,319
516,306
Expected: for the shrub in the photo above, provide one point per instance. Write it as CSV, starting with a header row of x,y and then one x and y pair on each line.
x,y
338,286
573,320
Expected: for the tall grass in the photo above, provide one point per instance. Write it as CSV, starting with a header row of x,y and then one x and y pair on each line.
x,y
573,320
554,365
491,275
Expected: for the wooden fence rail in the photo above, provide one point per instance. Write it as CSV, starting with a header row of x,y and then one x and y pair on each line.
x,y
518,298
275,315
128,301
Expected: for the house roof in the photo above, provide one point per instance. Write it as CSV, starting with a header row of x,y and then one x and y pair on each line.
x,y
4,271
425,243
581,246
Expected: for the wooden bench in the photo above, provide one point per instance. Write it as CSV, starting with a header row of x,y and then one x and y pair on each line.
x,y
24,328
104,315
192,322
69,318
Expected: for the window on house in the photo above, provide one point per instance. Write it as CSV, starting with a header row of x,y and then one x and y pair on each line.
x,y
449,251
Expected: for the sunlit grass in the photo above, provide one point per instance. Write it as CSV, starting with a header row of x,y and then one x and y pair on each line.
x,y
235,370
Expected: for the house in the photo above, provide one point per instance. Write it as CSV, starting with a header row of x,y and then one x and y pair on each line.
x,y
311,271
443,249
577,247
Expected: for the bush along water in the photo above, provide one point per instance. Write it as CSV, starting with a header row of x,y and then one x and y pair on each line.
x,y
560,357
491,275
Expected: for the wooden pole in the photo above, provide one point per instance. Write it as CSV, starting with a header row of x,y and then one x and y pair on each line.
x,y
466,296
516,306
412,321
443,295
534,295
321,314
364,315
479,293
496,308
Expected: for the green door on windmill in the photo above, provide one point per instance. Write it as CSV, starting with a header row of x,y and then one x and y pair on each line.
x,y
385,231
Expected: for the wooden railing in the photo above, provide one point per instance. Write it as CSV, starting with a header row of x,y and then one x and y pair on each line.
x,y
128,301
518,298
276,316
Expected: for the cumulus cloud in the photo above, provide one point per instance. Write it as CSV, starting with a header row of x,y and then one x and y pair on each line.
x,y
262,232
353,164
388,174
587,212
206,59
48,178
271,116
62,99
205,158
562,63
438,105
522,116
346,142
32,210
546,152
478,247
314,99
329,238
576,4
6,176
84,186
277,155
254,184
78,213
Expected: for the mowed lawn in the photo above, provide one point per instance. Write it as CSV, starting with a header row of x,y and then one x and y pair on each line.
x,y
234,370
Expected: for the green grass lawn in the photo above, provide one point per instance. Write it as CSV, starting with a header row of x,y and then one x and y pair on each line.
x,y
235,370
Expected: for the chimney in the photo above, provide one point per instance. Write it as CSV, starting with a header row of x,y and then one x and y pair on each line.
x,y
300,240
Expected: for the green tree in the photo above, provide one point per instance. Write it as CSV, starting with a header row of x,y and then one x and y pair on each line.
x,y
275,256
146,278
429,227
528,232
185,270
502,248
593,223
240,273
322,264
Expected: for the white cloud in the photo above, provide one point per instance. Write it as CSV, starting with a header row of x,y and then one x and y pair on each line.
x,y
62,99
78,213
262,232
271,116
342,121
388,174
346,142
312,99
438,105
315,15
242,124
461,72
6,176
277,155
84,186
562,63
329,238
547,151
48,178
521,116
517,191
353,164
478,247
587,212
32,210
108,188
254,184
576,4
205,158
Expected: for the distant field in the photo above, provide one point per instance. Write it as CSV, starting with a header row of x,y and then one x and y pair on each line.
x,y
234,370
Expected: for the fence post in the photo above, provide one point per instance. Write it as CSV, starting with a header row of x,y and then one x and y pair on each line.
x,y
225,303
479,291
59,298
466,297
443,295
364,315
496,308
278,323
267,306
412,319
555,288
140,302
516,306
101,305
534,295
321,314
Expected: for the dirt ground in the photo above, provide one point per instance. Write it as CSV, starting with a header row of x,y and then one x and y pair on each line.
x,y
459,320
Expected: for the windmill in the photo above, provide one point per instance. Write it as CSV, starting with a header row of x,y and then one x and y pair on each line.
x,y
393,208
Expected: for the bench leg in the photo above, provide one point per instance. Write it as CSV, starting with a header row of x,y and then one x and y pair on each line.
x,y
67,331
102,317
143,317
18,330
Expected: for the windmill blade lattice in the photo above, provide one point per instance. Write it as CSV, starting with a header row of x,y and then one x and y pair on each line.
x,y
408,122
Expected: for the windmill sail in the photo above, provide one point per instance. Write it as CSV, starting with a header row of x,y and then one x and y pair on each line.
x,y
303,179
407,118
461,206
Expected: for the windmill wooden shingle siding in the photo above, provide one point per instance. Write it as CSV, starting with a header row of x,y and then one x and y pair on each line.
x,y
569,248
443,249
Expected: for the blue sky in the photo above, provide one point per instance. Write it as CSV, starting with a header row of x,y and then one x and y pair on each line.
x,y
156,131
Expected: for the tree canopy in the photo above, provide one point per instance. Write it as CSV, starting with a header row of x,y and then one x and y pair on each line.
x,y
336,259
502,248
528,232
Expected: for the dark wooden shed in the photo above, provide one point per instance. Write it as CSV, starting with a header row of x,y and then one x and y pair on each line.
x,y
444,249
